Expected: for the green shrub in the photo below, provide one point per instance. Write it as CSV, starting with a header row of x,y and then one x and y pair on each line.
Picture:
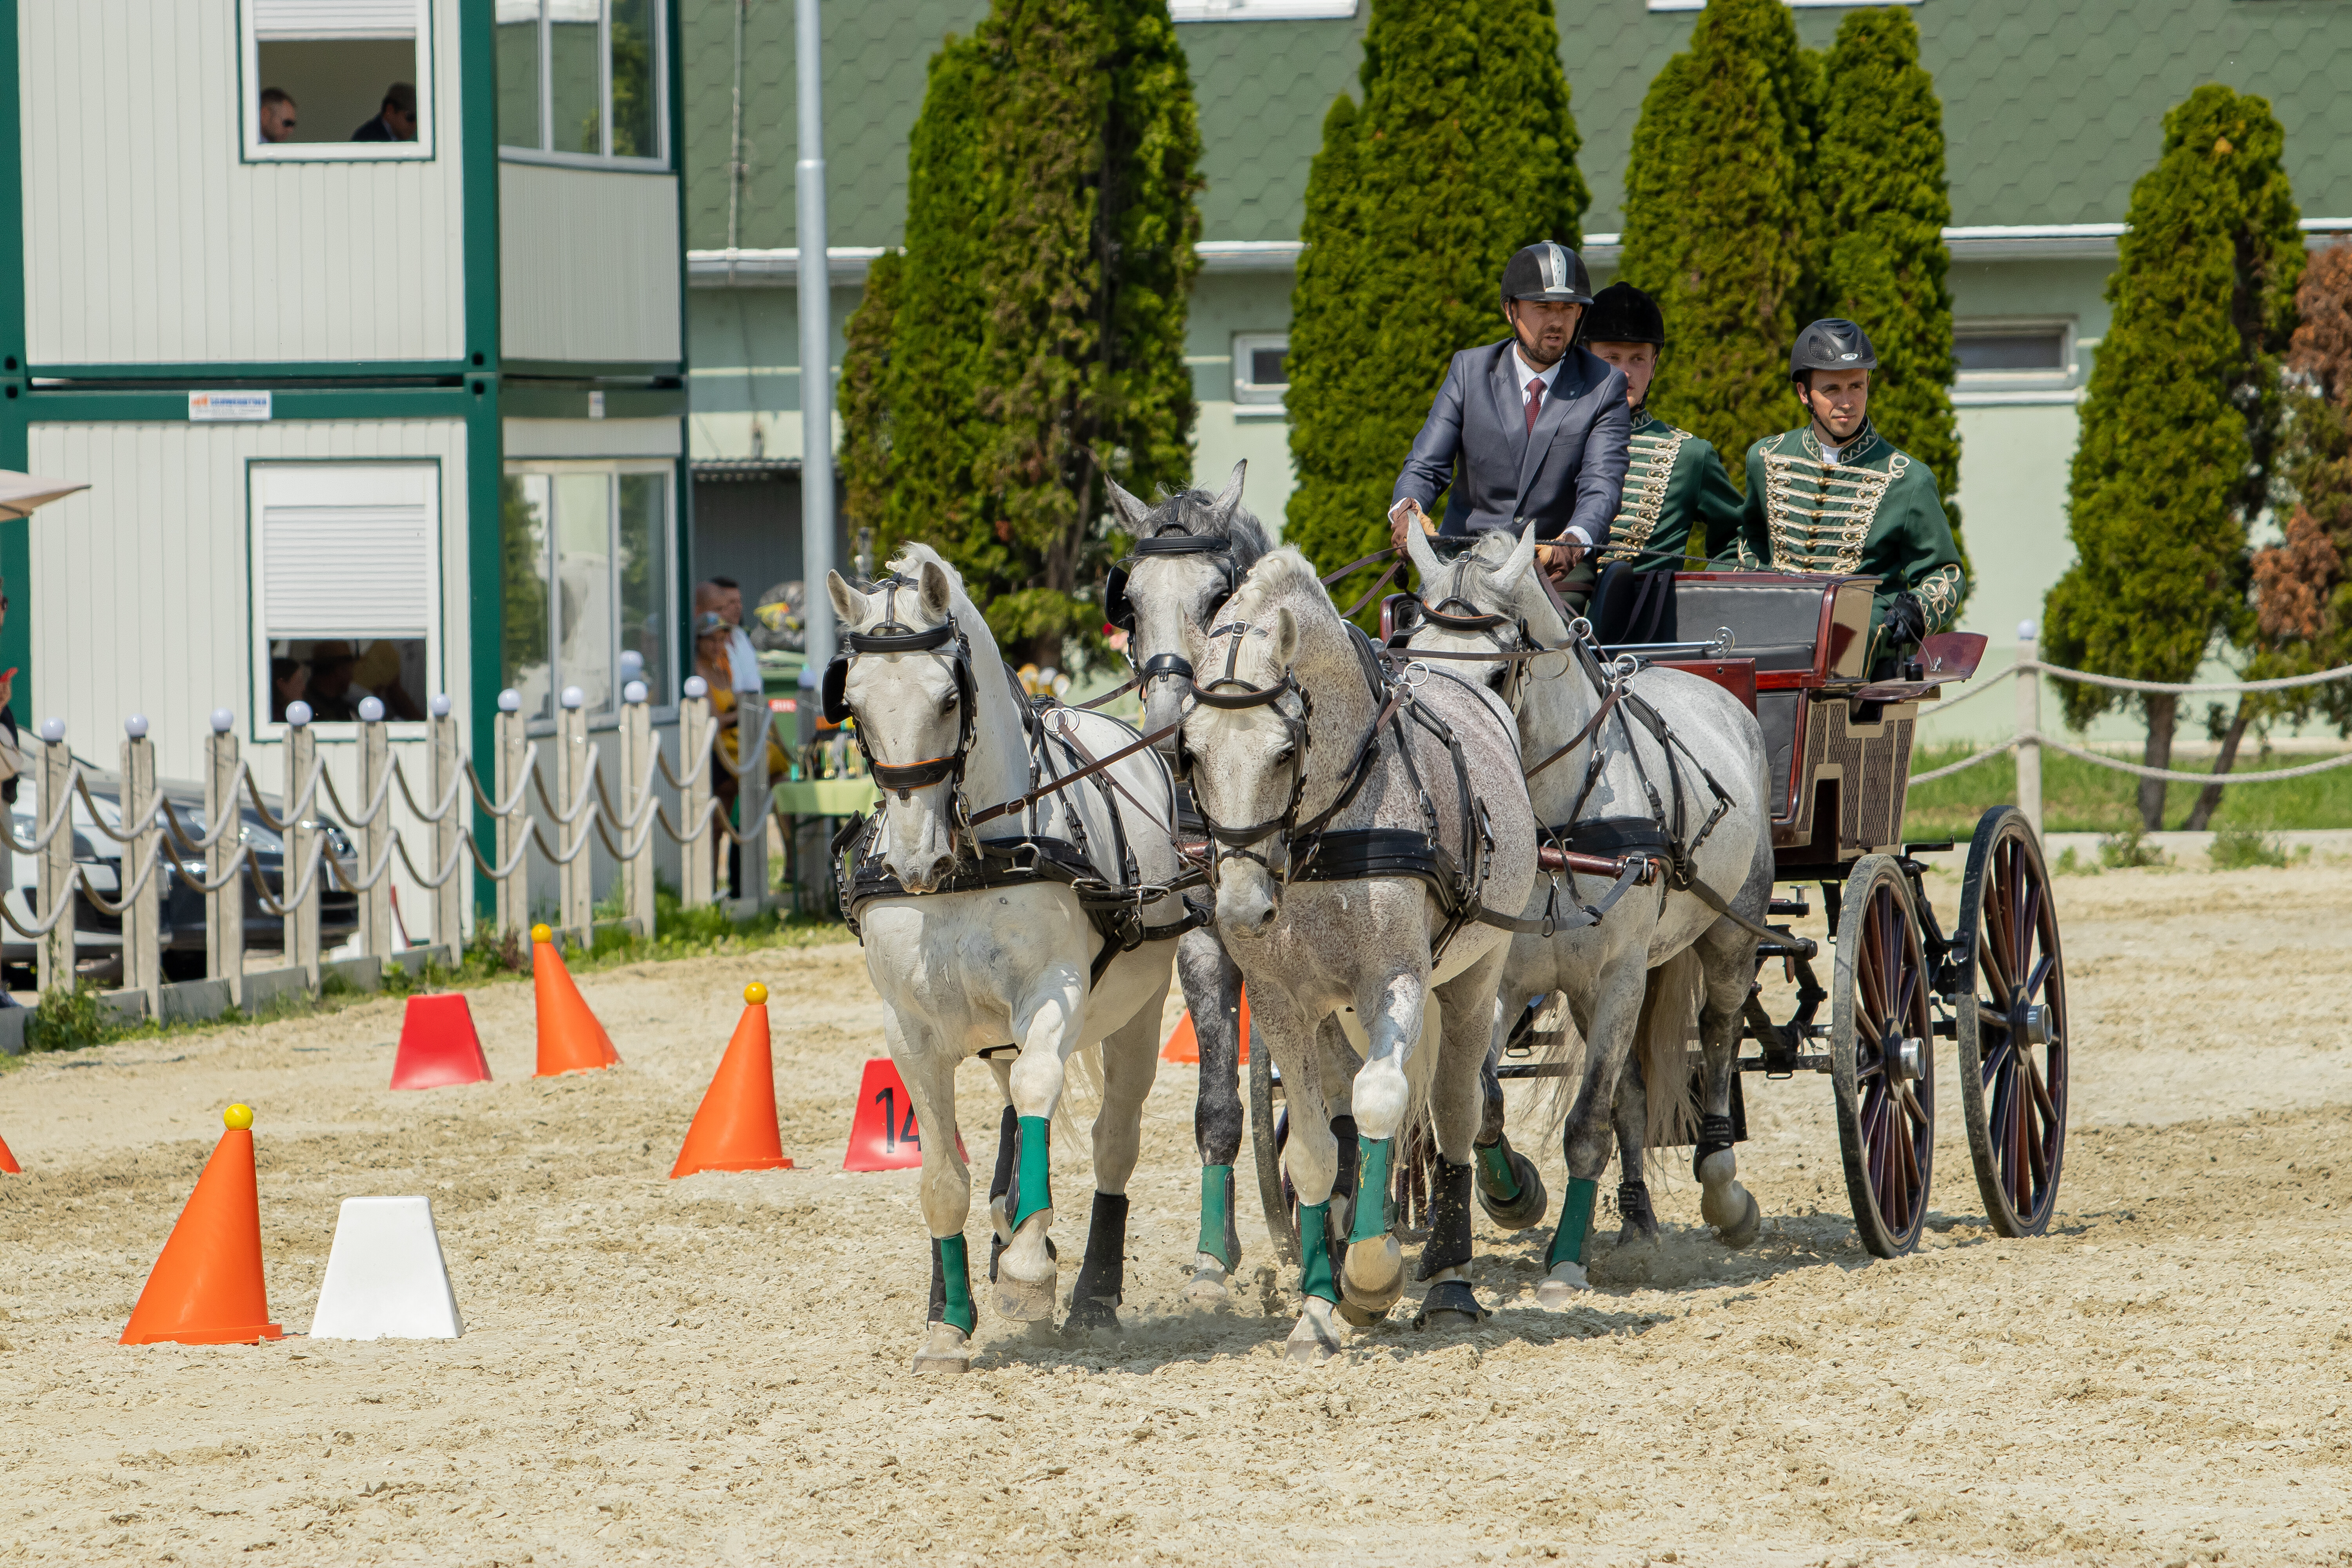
x,y
2235,847
68,1019
2130,848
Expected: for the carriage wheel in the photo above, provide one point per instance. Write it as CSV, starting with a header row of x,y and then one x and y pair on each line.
x,y
1882,1057
1265,1143
2012,1025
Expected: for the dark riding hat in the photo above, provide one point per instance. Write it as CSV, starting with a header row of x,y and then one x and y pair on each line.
x,y
1621,313
1546,272
1832,343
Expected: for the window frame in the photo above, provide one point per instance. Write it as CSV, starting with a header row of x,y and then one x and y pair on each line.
x,y
1258,399
264,728
662,706
1264,10
252,149
544,152
2067,373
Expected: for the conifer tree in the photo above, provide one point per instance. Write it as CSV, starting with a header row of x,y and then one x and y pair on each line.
x,y
1463,149
1879,167
864,400
2182,417
1721,224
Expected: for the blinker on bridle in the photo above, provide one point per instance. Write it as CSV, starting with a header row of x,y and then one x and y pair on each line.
x,y
895,635
1121,614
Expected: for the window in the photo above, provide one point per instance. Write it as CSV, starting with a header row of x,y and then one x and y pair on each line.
x,y
346,575
1259,376
1259,10
2006,351
581,80
587,578
337,80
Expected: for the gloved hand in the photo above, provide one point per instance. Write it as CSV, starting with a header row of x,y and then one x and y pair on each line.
x,y
1906,620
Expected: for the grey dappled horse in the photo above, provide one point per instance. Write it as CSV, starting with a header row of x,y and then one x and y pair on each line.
x,y
1283,749
963,967
1624,777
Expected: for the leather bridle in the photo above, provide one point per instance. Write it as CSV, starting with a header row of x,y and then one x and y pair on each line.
x,y
1230,694
893,636
1119,612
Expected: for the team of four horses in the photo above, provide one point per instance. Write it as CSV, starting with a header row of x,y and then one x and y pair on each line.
x,y
1398,850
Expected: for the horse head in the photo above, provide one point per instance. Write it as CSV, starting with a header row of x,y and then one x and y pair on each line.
x,y
1484,599
1192,551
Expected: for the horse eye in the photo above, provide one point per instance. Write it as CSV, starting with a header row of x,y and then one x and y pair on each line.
x,y
946,703
1283,757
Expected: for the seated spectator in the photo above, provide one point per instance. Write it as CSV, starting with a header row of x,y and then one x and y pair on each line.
x,y
278,114
289,677
379,671
331,696
396,120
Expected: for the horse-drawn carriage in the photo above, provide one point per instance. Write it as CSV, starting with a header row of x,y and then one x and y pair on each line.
x,y
1793,649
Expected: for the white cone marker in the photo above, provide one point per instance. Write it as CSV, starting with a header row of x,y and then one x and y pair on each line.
x,y
386,1277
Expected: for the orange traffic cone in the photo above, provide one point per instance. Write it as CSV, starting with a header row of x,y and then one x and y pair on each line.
x,y
570,1038
735,1129
1185,1043
8,1162
207,1287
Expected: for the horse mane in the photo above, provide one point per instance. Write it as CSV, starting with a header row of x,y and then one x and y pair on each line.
x,y
1196,511
1277,572
910,560
1490,552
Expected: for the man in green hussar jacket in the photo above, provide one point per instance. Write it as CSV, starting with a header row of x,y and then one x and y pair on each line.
x,y
1675,481
1832,496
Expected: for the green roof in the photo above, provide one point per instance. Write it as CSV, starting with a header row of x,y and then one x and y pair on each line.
x,y
2049,112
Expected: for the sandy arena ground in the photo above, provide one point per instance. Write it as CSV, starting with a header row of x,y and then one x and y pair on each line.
x,y
716,1369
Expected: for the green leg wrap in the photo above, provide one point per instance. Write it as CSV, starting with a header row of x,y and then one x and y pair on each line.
x,y
1371,1216
955,1270
1216,1203
1502,1184
1575,1217
1035,1193
1314,1252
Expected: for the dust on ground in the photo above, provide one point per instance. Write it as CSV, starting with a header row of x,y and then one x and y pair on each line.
x,y
716,1369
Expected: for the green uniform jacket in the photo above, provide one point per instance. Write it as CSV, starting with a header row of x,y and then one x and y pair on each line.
x,y
1874,512
1674,482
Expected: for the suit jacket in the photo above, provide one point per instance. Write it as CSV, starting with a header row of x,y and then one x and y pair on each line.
x,y
1569,470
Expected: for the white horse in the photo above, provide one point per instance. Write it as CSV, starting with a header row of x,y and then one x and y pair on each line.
x,y
989,944
1607,792
1330,791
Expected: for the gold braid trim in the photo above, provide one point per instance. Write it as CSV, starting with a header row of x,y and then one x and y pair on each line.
x,y
1939,595
1820,514
1651,468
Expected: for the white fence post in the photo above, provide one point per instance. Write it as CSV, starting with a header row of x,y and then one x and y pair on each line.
x,y
142,930
696,876
449,897
2028,727
375,833
512,830
752,721
574,896
299,816
58,947
636,789
224,906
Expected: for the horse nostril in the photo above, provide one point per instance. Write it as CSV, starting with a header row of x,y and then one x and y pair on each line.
x,y
1266,919
941,867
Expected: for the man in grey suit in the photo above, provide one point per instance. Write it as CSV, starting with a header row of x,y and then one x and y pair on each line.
x,y
1529,429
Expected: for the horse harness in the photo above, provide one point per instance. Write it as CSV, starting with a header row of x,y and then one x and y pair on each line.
x,y
1119,612
1057,761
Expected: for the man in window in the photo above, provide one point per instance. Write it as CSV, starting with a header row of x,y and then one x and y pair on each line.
x,y
396,120
1536,427
278,114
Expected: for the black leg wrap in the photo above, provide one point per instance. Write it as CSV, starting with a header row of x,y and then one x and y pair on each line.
x,y
1490,1107
1633,1208
1448,1246
1102,1276
1715,1135
1008,1146
1232,1232
1343,1185
940,1283
1450,1302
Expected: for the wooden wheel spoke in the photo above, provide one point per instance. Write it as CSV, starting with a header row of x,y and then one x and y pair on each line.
x,y
1995,1058
2041,1088
1991,964
2033,981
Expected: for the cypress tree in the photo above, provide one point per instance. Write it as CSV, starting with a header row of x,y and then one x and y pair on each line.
x,y
1879,166
1461,150
2303,591
2182,417
1721,221
1032,337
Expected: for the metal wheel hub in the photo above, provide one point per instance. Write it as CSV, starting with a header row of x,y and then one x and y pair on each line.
x,y
2030,1024
1906,1061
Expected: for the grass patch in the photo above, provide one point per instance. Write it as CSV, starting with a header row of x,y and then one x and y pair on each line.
x,y
2129,849
2083,797
2234,848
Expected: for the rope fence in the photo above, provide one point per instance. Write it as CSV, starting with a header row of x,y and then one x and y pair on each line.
x,y
558,794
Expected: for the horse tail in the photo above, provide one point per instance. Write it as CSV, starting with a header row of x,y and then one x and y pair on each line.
x,y
1662,1039
1083,1073
1557,1043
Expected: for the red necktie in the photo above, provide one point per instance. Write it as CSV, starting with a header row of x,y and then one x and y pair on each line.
x,y
1535,401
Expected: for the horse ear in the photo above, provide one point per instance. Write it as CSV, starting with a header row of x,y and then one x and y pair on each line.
x,y
1514,569
1284,635
1132,513
937,591
1229,499
848,603
1418,550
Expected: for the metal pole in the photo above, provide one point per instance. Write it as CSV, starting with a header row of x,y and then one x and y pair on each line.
x,y
2028,725
816,348
224,906
142,948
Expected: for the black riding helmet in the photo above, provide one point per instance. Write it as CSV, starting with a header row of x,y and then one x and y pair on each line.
x,y
1621,313
1830,343
1546,272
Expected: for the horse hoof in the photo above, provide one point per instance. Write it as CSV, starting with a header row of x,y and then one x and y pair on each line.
x,y
1090,1314
1640,1222
1313,1340
1562,1286
1208,1283
1025,1276
1450,1304
1521,1212
1371,1280
945,1351
1734,1212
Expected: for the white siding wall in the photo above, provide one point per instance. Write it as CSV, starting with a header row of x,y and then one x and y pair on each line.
x,y
589,264
148,241
138,593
